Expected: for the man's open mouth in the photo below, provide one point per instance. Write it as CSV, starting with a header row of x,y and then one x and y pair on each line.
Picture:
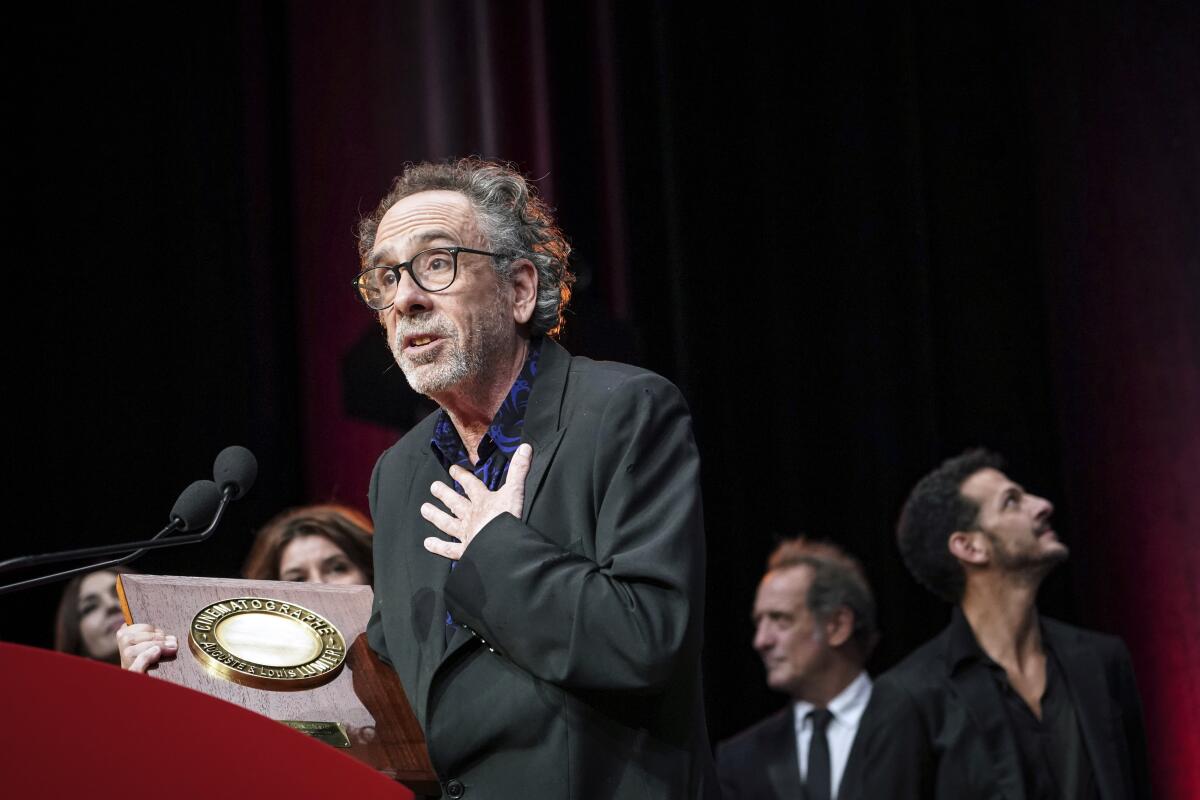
x,y
420,340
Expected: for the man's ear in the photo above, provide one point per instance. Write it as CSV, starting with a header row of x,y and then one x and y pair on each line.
x,y
971,547
839,627
524,281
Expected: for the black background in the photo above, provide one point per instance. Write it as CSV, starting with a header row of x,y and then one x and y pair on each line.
x,y
854,236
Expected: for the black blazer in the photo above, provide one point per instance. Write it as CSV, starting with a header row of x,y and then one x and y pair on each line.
x,y
576,673
944,734
762,762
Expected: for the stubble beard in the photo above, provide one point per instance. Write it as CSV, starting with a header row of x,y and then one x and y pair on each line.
x,y
1033,565
434,375
457,365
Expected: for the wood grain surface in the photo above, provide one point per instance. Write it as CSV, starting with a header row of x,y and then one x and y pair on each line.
x,y
366,696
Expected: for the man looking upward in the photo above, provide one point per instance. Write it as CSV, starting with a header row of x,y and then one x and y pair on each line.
x,y
1004,702
814,628
539,547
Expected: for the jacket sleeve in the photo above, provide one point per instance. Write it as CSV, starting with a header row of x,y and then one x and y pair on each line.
x,y
897,755
626,619
1134,726
729,767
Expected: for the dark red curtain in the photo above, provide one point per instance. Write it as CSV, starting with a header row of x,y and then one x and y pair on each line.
x,y
1119,180
860,239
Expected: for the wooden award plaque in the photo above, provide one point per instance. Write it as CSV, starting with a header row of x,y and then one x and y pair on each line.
x,y
337,689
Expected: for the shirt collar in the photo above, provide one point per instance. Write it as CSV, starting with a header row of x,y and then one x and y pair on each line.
x,y
847,707
962,648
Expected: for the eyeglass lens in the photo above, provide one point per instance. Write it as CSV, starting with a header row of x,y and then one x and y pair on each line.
x,y
433,271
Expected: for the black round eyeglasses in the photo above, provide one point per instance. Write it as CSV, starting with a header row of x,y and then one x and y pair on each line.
x,y
433,270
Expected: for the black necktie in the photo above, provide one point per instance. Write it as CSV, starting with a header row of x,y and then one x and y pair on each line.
x,y
817,782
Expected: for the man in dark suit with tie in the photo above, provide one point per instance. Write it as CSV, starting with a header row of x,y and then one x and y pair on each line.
x,y
539,547
1004,703
814,621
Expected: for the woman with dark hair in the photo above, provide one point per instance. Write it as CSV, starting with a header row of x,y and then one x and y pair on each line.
x,y
311,544
89,613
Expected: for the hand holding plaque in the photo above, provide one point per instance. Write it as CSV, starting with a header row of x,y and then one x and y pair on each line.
x,y
141,646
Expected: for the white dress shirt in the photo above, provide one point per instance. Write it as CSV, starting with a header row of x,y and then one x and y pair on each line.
x,y
847,709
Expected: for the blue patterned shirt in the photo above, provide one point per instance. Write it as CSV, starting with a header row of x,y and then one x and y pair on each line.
x,y
503,435
497,445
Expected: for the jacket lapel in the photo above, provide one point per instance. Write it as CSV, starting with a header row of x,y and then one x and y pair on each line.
x,y
783,762
542,416
1093,706
977,690
427,571
458,638
852,776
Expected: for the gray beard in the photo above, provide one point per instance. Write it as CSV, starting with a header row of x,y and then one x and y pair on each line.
x,y
439,378
427,377
457,365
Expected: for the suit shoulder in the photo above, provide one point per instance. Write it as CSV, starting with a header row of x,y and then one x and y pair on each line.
x,y
1111,646
412,441
597,383
778,724
613,373
920,669
747,746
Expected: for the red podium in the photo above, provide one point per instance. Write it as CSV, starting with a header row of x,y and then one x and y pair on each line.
x,y
78,728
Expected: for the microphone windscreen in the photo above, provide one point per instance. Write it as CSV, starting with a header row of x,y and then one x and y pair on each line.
x,y
236,468
197,505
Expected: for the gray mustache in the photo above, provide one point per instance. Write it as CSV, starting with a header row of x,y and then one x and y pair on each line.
x,y
436,326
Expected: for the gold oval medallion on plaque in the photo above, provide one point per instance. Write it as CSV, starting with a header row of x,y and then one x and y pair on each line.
x,y
267,644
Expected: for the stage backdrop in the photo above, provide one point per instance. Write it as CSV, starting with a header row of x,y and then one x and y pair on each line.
x,y
860,239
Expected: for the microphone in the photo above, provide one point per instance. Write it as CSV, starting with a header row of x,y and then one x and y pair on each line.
x,y
197,504
234,471
201,504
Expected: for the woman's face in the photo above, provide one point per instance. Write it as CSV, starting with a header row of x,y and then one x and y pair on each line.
x,y
315,559
99,615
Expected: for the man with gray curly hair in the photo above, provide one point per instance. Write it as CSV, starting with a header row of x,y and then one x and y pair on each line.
x,y
539,546
814,628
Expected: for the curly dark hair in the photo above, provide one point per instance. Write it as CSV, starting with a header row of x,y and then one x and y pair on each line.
x,y
838,581
935,509
516,222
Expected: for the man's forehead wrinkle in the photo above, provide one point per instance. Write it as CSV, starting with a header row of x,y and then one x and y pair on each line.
x,y
413,221
454,209
406,227
388,250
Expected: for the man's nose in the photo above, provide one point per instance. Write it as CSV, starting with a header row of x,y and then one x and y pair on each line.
x,y
1043,508
410,298
762,637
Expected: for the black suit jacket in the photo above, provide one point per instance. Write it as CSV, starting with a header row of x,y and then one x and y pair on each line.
x,y
762,762
943,732
576,672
